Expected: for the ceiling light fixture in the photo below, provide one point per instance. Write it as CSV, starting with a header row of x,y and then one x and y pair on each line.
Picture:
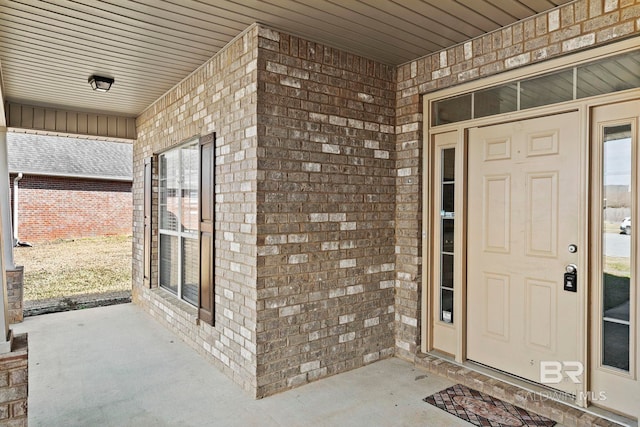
x,y
100,84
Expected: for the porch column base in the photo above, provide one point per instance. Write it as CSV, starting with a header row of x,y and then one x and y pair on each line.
x,y
14,372
15,294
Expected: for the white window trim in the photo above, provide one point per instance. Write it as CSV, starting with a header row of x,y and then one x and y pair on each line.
x,y
179,234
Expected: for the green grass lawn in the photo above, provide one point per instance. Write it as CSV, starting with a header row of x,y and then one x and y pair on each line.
x,y
74,267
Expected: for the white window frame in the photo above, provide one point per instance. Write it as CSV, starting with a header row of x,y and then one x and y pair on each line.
x,y
180,234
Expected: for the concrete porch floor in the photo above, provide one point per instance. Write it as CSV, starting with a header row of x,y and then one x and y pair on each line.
x,y
115,366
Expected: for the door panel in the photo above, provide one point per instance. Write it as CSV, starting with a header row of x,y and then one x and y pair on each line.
x,y
542,144
541,308
541,214
497,214
524,207
497,149
497,305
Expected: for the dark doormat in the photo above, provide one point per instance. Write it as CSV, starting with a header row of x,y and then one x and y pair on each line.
x,y
483,410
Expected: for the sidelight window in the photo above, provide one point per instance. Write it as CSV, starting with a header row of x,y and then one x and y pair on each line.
x,y
617,237
447,224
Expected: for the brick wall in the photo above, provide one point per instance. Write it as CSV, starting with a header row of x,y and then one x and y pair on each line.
x,y
218,97
304,206
579,25
63,208
14,374
325,211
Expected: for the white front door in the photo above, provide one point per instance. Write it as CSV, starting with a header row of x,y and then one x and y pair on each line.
x,y
524,212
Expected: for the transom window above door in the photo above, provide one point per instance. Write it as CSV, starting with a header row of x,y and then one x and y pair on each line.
x,y
613,74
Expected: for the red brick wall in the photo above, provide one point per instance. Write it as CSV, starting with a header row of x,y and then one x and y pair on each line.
x,y
65,208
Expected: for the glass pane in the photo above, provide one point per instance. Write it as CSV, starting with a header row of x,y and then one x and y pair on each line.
x,y
547,89
169,262
446,306
447,271
451,110
447,235
169,188
609,75
616,245
616,345
178,210
189,193
497,100
448,164
448,193
162,189
616,297
190,270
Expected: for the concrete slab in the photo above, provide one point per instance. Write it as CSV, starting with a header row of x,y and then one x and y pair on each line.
x,y
115,366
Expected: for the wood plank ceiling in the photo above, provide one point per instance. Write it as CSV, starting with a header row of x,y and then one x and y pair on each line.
x,y
48,48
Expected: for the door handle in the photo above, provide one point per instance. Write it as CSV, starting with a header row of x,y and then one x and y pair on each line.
x,y
571,278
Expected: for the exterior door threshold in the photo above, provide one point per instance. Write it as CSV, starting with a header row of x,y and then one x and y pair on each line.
x,y
551,403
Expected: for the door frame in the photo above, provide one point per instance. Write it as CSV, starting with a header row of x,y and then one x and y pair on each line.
x,y
583,106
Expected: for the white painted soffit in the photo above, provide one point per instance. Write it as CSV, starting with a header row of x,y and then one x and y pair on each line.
x,y
50,48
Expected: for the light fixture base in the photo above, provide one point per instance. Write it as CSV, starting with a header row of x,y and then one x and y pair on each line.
x,y
100,84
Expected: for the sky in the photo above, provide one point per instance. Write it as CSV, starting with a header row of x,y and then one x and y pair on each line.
x,y
617,162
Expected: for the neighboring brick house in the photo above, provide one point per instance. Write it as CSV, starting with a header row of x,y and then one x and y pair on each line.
x,y
69,187
325,238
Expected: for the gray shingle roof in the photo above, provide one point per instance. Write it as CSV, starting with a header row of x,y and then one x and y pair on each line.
x,y
60,156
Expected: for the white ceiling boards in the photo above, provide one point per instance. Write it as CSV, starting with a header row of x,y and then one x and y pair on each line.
x,y
48,49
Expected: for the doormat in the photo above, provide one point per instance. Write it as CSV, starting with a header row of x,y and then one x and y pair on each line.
x,y
483,410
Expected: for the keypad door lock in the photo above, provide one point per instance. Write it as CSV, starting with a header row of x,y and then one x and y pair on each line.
x,y
571,278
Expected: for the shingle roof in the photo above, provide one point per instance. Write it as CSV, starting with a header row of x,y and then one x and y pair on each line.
x,y
60,156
